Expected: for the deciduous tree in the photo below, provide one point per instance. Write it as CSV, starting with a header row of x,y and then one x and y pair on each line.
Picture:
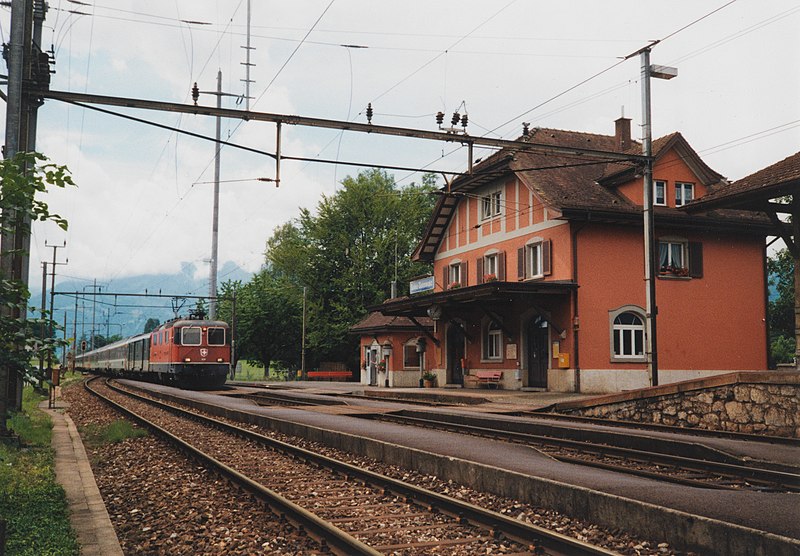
x,y
22,178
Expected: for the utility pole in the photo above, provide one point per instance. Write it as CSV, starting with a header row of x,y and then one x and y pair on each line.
x,y
247,65
52,294
212,282
74,335
651,308
25,69
303,341
41,326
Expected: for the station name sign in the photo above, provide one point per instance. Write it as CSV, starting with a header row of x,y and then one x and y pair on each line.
x,y
424,284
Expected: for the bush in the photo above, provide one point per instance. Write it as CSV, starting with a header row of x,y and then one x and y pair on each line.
x,y
32,503
782,349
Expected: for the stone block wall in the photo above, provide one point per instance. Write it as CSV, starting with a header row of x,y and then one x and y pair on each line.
x,y
772,409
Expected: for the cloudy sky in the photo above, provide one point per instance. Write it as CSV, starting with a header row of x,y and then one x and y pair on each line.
x,y
144,198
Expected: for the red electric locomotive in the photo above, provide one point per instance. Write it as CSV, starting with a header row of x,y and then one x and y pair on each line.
x,y
188,353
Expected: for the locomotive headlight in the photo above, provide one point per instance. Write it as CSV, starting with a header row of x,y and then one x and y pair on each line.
x,y
188,359
219,359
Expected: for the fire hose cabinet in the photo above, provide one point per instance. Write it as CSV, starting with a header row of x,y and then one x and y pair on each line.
x,y
563,360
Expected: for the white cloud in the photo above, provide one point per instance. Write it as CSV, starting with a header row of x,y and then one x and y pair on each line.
x,y
139,209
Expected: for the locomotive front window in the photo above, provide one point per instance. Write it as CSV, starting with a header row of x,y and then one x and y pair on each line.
x,y
216,336
191,336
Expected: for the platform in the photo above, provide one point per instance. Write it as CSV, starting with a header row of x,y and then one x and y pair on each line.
x,y
87,511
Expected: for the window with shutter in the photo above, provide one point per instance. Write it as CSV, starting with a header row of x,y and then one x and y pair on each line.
x,y
695,259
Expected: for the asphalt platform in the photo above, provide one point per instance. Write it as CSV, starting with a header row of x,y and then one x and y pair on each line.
x,y
88,514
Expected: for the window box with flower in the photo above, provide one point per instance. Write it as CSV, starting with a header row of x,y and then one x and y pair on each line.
x,y
454,285
674,271
490,277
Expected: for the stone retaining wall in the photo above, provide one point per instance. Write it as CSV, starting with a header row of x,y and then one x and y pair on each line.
x,y
772,409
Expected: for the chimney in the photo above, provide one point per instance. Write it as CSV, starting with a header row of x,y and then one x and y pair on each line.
x,y
622,133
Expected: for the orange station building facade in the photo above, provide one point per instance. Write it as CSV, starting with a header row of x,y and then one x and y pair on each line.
x,y
538,272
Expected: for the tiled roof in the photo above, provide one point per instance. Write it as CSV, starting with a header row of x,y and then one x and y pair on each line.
x,y
377,321
577,184
781,178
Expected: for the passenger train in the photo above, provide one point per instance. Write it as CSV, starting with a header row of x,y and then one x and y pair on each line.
x,y
192,353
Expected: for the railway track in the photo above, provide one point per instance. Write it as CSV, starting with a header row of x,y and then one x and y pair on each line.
x,y
347,509
544,415
659,465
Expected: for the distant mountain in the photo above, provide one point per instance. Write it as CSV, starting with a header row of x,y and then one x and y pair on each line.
x,y
127,315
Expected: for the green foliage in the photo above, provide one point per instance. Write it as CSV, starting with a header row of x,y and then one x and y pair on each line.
x,y
782,349
31,501
781,309
116,431
268,318
33,426
34,505
151,325
22,178
100,340
348,252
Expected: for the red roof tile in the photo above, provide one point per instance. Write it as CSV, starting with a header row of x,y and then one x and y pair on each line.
x,y
779,179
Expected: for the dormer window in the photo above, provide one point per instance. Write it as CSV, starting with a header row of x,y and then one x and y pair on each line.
x,y
684,192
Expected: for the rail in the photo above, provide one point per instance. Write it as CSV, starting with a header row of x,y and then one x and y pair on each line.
x,y
499,524
769,478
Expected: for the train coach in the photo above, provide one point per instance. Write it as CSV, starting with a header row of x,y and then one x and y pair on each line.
x,y
190,353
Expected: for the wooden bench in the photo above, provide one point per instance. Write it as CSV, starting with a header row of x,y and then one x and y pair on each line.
x,y
330,375
489,378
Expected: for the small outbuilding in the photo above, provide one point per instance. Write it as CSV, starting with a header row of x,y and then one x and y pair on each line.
x,y
392,349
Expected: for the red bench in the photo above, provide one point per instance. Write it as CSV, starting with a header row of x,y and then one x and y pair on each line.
x,y
489,378
330,375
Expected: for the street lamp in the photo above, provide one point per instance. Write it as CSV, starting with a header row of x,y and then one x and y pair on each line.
x,y
651,309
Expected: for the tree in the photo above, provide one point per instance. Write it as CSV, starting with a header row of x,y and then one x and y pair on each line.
x,y
268,316
100,340
151,325
781,309
22,177
348,252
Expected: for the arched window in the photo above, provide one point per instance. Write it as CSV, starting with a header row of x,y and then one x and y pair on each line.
x,y
627,334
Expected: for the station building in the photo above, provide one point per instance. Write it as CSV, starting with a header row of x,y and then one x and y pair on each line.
x,y
538,273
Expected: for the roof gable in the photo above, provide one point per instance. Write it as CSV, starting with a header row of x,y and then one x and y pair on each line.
x,y
617,173
776,180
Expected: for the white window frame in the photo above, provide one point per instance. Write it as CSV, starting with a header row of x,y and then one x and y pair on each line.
x,y
492,204
491,264
672,246
454,273
660,200
493,342
199,335
625,335
534,266
681,189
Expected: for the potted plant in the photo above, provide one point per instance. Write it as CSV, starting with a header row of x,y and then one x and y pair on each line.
x,y
454,285
428,379
490,277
